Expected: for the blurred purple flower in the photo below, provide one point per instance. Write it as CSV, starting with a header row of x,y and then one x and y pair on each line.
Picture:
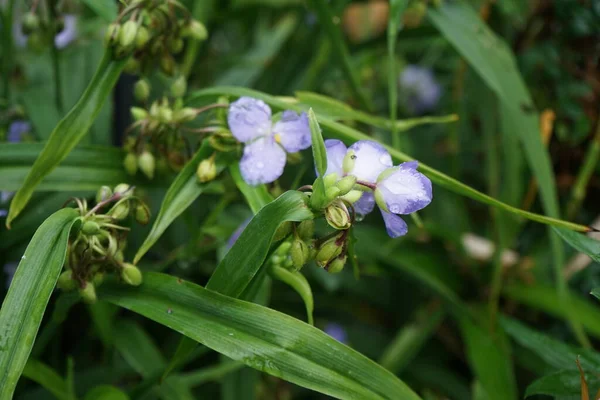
x,y
16,130
266,142
336,331
9,270
396,190
236,234
419,88
62,38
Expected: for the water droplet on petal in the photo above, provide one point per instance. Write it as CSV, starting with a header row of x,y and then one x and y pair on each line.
x,y
395,208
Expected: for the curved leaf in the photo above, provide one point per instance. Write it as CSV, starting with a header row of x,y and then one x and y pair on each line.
x,y
106,392
256,196
184,190
23,308
48,378
261,338
341,131
69,131
561,383
582,243
298,282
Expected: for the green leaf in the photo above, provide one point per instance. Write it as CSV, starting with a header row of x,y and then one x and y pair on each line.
x,y
106,9
106,392
581,243
298,282
256,196
261,338
24,305
137,348
204,375
337,130
561,383
184,190
69,131
489,358
48,378
318,145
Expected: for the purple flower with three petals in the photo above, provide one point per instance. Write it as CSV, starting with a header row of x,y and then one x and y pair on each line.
x,y
266,141
396,190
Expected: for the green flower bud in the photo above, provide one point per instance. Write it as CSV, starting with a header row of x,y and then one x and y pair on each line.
x,y
104,193
147,164
328,251
207,170
185,115
131,274
380,200
141,90
348,163
138,113
90,228
36,41
330,179
66,282
195,30
336,265
167,64
346,184
165,114
112,34
332,192
179,87
283,249
123,188
120,210
338,216
283,230
132,66
119,257
142,213
276,259
306,229
176,45
30,23
88,293
299,253
130,163
128,33
98,279
352,196
142,37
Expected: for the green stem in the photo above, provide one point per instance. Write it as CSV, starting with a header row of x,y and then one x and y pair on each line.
x,y
201,12
579,190
394,24
7,47
327,19
55,58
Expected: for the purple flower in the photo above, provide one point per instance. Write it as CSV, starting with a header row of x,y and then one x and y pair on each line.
x,y
69,32
266,141
16,130
396,190
419,89
336,331
237,233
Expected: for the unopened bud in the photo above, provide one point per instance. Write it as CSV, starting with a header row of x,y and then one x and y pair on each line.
x,y
179,87
142,37
112,34
306,229
130,163
330,179
90,228
141,90
165,114
30,23
138,113
195,30
167,64
132,66
336,265
119,256
122,189
207,170
104,193
176,45
185,115
346,184
349,161
299,253
283,230
88,293
147,164
142,213
98,279
120,210
66,282
328,251
284,249
128,33
131,274
352,196
338,216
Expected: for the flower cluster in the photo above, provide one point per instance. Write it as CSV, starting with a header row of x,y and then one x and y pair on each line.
x,y
266,139
396,190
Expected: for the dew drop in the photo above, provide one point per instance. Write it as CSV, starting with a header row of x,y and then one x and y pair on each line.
x,y
395,208
24,257
384,159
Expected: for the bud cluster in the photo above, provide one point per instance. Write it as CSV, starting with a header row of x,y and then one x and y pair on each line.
x,y
96,248
153,32
295,252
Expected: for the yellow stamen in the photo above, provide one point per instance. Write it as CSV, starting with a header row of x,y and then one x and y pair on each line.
x,y
277,137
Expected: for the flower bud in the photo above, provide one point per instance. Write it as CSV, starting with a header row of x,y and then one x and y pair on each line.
x,y
276,259
98,279
165,114
142,213
104,193
66,282
128,33
138,113
336,265
283,230
122,188
88,293
306,229
337,216
112,34
330,179
207,170
352,196
179,87
132,66
131,274
90,228
30,23
142,37
167,64
176,45
120,210
299,253
141,90
130,163
328,251
332,192
346,184
349,161
119,256
185,115
195,30
283,249
147,164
